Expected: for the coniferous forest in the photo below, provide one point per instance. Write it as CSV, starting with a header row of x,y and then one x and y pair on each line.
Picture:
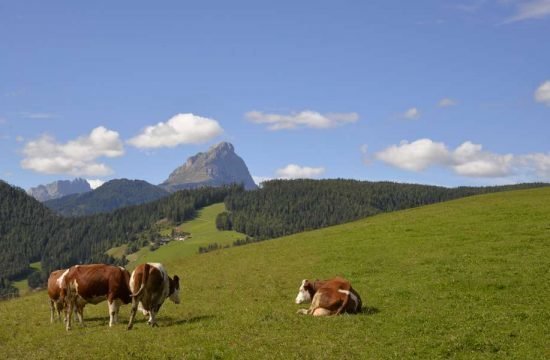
x,y
284,207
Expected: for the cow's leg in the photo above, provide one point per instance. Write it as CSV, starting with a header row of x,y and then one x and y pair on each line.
x,y
52,310
79,311
70,306
321,312
113,311
59,306
135,302
152,317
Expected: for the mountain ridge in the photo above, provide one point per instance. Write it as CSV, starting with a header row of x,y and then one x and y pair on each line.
x,y
59,188
218,166
110,196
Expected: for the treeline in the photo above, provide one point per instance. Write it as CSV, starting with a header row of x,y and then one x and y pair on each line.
x,y
26,226
284,207
30,232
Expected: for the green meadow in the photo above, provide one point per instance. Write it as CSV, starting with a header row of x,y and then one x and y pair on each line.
x,y
203,232
466,279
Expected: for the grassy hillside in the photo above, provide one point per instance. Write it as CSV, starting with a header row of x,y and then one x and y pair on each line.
x,y
203,232
465,279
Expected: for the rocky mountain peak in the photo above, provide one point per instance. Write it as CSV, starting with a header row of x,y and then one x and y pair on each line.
x,y
59,189
220,165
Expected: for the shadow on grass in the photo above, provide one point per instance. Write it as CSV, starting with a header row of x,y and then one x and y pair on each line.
x,y
369,310
191,320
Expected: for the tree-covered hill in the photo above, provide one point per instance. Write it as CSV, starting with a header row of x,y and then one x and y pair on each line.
x,y
26,226
110,196
30,232
284,207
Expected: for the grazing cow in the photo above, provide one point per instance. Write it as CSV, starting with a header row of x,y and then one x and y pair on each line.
x,y
150,286
56,302
329,297
93,284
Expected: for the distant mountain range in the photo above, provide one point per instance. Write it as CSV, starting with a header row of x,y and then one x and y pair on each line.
x,y
220,165
58,189
112,195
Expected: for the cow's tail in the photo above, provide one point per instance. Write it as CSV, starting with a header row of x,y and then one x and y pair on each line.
x,y
146,268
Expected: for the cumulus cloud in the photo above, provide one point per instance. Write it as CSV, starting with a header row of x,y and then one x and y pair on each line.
x,y
542,94
293,171
178,130
76,157
468,160
412,113
415,156
446,102
533,9
95,183
303,119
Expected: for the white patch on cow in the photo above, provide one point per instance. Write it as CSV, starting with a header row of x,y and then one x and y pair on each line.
x,y
61,280
133,283
303,294
352,295
113,312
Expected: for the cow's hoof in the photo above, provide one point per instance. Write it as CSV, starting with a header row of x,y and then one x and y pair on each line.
x,y
302,311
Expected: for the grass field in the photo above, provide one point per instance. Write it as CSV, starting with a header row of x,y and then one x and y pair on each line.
x,y
467,279
203,232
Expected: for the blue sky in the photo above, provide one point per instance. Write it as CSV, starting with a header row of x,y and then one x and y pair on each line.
x,y
437,92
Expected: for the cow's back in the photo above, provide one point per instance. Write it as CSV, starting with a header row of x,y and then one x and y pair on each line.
x,y
95,281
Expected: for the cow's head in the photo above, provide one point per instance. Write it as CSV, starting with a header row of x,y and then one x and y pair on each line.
x,y
175,289
304,293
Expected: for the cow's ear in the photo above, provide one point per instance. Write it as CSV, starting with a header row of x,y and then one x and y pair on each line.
x,y
177,280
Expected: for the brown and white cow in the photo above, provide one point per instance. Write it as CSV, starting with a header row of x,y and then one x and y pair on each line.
x,y
93,284
329,297
150,286
56,302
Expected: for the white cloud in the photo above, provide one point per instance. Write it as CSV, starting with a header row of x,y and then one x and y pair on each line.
x,y
95,183
260,179
307,118
293,171
178,130
468,160
542,94
76,157
446,102
533,9
411,113
415,156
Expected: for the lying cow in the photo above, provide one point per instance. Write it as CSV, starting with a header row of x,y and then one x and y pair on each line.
x,y
150,286
93,284
56,302
329,297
